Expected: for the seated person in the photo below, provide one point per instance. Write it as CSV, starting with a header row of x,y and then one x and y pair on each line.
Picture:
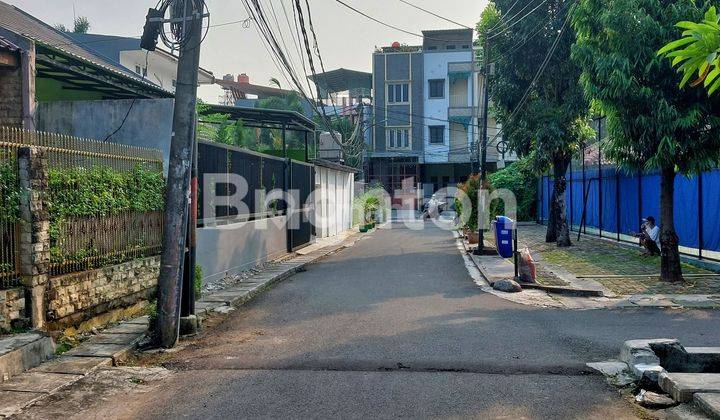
x,y
649,236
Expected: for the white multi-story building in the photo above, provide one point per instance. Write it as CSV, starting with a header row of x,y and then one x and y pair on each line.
x,y
427,109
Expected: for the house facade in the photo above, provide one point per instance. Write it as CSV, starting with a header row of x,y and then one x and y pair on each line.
x,y
159,66
426,110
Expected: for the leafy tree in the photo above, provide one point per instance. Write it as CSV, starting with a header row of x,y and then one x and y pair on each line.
x,y
652,124
697,51
273,138
81,25
549,125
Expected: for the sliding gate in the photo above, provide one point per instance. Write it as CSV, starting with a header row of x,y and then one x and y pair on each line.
x,y
301,218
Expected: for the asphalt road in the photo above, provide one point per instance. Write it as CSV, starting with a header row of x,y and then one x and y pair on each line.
x,y
394,326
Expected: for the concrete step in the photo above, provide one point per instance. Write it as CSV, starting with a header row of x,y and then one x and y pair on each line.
x,y
709,403
682,386
20,352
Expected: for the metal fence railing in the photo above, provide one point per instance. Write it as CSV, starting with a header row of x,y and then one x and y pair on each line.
x,y
105,199
260,171
9,217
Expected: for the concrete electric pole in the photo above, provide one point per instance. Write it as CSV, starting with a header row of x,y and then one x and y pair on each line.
x,y
482,147
177,192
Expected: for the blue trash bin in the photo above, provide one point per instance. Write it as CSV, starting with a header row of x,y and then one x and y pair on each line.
x,y
504,236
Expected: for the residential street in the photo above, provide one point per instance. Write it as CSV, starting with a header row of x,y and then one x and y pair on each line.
x,y
394,326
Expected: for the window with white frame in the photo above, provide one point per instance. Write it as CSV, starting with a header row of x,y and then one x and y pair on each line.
x,y
398,138
398,93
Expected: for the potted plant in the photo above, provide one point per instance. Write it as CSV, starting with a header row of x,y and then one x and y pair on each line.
x,y
370,207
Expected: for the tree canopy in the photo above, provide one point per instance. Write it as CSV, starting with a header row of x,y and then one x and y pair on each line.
x,y
651,122
553,119
697,52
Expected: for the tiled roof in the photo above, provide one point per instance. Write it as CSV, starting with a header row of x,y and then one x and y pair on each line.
x,y
28,26
7,45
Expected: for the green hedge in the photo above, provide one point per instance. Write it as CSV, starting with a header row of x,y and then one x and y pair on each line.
x,y
519,178
103,191
96,192
9,191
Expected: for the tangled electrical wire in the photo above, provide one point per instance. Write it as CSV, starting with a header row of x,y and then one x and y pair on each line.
x,y
180,28
307,49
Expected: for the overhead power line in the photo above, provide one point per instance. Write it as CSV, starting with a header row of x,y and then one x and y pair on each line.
x,y
360,12
434,14
541,69
507,28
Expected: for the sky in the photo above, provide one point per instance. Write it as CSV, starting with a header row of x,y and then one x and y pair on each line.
x,y
346,39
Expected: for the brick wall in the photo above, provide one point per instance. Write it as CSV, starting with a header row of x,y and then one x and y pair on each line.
x,y
12,307
73,298
11,97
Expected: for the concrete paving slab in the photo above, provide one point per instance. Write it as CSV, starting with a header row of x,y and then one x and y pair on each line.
x,y
709,403
127,328
38,382
13,401
23,353
139,320
108,338
682,386
12,342
96,350
74,365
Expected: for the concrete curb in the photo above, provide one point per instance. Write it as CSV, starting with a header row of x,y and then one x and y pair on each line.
x,y
21,352
566,291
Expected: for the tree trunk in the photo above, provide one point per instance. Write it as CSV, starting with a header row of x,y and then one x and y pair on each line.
x,y
551,233
669,254
562,229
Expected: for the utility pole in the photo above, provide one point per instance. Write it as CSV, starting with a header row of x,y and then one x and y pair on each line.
x,y
178,182
482,147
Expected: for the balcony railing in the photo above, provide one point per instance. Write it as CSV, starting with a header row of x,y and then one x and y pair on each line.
x,y
459,100
462,67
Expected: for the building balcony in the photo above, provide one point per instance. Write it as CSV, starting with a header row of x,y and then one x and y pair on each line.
x,y
465,67
459,100
462,156
460,112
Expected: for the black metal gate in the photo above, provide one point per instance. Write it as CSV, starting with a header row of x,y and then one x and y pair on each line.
x,y
301,217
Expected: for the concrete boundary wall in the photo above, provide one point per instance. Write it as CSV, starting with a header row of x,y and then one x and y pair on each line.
x,y
230,249
148,124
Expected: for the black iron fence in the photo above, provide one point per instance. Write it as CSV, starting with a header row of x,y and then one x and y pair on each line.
x,y
226,168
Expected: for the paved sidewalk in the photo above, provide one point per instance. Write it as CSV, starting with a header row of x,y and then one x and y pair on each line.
x,y
113,345
620,269
105,349
486,269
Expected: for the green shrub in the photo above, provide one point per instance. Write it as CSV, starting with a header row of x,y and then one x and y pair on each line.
x,y
368,207
103,191
469,187
197,280
100,191
519,178
9,191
